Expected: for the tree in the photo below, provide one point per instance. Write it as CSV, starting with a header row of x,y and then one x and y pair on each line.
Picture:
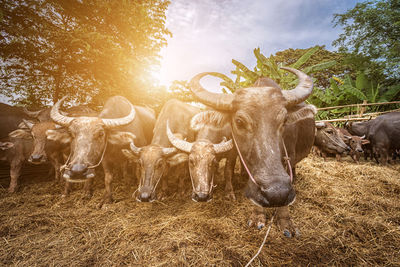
x,y
87,49
372,30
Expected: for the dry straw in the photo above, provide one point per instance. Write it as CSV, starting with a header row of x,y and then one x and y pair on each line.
x,y
348,214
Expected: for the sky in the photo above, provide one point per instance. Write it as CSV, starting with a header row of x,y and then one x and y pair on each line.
x,y
208,34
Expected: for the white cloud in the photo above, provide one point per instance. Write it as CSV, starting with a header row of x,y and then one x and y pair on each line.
x,y
207,34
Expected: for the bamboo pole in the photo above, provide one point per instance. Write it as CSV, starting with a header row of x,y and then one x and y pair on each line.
x,y
362,105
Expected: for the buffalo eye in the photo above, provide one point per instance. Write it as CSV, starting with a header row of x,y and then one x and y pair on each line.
x,y
240,123
329,131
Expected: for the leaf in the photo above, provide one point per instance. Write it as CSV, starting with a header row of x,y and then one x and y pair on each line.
x,y
304,58
320,66
247,73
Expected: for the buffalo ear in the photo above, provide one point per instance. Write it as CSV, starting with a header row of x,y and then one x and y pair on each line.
x,y
6,145
121,138
365,141
128,153
60,136
320,124
306,112
177,159
20,133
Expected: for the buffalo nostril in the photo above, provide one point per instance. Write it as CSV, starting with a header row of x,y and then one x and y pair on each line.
x,y
279,195
360,150
36,158
144,196
78,169
202,197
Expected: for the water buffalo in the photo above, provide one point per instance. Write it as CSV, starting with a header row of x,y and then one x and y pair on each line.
x,y
99,140
155,159
15,151
206,151
46,150
328,140
383,133
10,118
356,143
265,119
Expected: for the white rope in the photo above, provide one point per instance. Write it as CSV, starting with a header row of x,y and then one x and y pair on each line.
x,y
263,243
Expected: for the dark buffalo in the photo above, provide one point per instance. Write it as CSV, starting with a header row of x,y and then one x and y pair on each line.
x,y
10,118
99,140
383,133
157,158
328,140
206,152
264,118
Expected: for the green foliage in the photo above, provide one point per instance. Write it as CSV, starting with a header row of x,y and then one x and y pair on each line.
x,y
269,67
87,49
372,30
348,91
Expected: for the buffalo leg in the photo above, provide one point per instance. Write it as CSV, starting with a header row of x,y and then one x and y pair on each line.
x,y
15,172
284,222
67,189
88,188
228,173
257,218
107,197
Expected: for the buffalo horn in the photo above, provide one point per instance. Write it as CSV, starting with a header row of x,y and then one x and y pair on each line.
x,y
224,146
111,123
28,124
302,90
168,151
135,149
32,114
57,117
215,100
178,143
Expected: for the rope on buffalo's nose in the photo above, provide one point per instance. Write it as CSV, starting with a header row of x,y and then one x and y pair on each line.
x,y
263,243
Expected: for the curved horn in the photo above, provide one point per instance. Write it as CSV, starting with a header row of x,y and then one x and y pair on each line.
x,y
168,151
178,143
302,90
224,146
217,101
28,124
111,123
135,149
57,117
32,114
362,137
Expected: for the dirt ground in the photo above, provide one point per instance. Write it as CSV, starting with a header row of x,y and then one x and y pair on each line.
x,y
348,214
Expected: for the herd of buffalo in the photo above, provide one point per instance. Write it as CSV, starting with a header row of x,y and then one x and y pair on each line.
x,y
268,128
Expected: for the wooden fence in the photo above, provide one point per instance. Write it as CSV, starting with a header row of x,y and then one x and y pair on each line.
x,y
359,113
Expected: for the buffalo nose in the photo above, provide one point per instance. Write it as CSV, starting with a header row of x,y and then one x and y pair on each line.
x,y
280,195
78,169
144,196
202,197
360,150
348,148
36,158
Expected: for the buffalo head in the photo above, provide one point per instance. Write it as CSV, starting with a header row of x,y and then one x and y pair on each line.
x,y
328,139
153,161
88,138
202,161
258,115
